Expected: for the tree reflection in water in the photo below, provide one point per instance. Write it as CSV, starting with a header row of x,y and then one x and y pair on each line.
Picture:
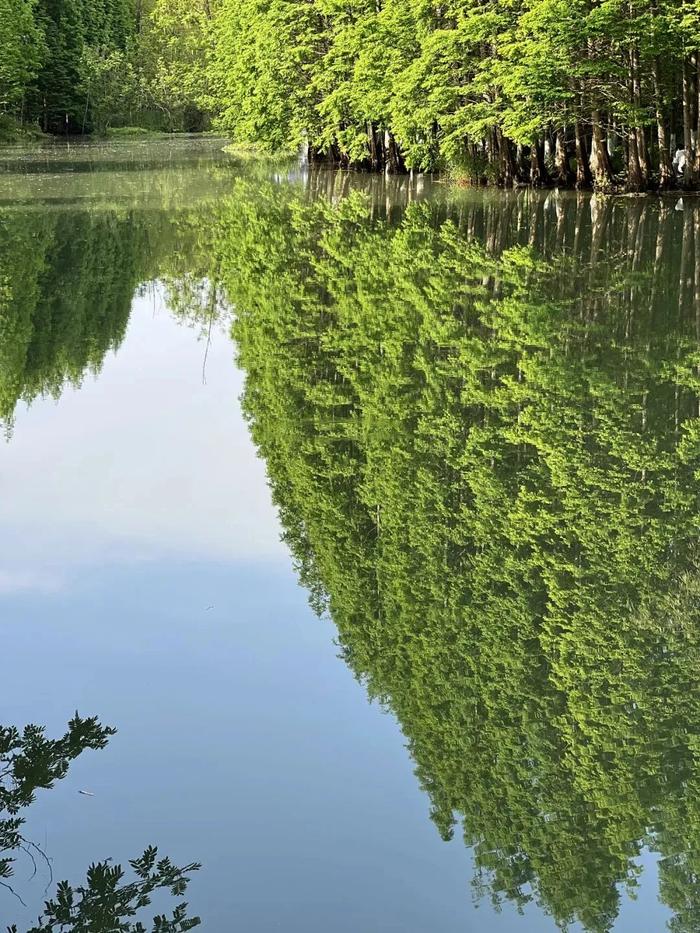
x,y
107,901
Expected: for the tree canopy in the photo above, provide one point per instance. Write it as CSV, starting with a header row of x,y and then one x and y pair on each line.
x,y
538,91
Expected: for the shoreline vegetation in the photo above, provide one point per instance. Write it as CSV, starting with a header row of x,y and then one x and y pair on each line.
x,y
587,94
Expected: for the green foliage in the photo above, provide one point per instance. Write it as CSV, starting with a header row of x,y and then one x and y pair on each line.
x,y
264,52
67,281
112,88
74,66
410,83
29,762
59,97
508,92
176,49
480,428
105,904
65,299
22,47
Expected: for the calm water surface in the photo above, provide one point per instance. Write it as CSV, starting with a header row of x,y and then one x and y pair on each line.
x,y
460,427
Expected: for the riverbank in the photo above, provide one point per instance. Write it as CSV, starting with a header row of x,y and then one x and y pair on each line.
x,y
13,133
14,138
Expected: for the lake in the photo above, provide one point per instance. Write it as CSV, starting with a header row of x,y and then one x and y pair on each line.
x,y
366,510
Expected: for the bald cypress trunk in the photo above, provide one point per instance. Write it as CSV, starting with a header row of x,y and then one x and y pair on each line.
x,y
508,168
394,160
643,150
638,158
539,176
665,168
697,115
563,174
689,172
601,168
635,177
583,170
374,160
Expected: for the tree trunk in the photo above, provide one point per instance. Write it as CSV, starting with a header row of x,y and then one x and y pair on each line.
x,y
665,167
539,176
689,172
492,154
394,161
697,114
638,155
601,168
643,150
474,160
373,148
635,177
508,166
611,139
583,171
563,174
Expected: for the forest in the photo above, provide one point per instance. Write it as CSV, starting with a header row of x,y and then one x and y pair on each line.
x,y
587,93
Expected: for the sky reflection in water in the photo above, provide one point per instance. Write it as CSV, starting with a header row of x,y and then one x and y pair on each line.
x,y
142,578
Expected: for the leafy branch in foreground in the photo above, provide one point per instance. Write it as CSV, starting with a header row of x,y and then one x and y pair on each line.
x,y
104,904
28,762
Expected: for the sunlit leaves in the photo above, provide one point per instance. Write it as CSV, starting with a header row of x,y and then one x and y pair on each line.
x,y
485,458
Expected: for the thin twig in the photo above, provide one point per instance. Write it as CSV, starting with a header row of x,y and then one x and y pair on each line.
x,y
45,857
206,351
27,851
12,891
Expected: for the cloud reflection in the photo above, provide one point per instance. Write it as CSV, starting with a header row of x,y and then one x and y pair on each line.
x,y
142,461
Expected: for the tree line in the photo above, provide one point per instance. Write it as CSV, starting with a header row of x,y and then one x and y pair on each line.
x,y
76,66
585,93
67,282
590,92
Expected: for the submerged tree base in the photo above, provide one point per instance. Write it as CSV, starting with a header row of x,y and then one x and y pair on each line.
x,y
526,171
